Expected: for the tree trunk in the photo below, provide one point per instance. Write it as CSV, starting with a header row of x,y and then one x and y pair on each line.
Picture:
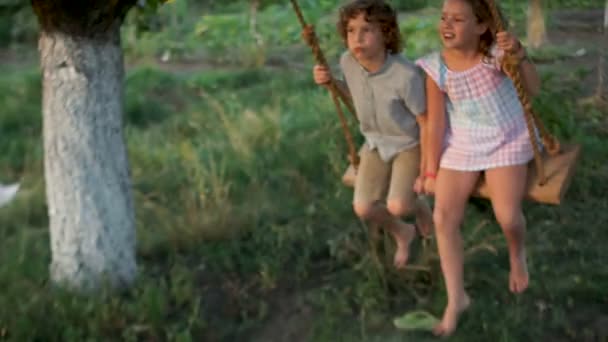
x,y
254,5
88,189
602,92
536,30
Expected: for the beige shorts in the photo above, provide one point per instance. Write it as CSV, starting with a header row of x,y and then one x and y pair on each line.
x,y
378,180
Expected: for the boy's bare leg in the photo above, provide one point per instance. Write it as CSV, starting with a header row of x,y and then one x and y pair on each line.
x,y
402,232
424,217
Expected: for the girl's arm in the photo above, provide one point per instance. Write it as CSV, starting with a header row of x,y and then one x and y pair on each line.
x,y
529,76
527,70
435,126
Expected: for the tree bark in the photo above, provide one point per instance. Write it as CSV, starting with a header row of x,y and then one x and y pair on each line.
x,y
88,187
602,92
254,5
536,29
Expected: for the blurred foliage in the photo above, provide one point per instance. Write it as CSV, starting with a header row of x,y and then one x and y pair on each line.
x,y
185,19
255,154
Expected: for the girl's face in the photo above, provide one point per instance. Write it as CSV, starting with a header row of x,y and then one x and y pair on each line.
x,y
459,27
364,39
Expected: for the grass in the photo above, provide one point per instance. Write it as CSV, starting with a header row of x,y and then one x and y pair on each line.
x,y
245,232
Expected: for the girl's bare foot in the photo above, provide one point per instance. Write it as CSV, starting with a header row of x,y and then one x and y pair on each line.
x,y
424,218
518,277
403,234
452,313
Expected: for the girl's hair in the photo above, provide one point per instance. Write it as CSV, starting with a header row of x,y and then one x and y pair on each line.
x,y
375,11
482,12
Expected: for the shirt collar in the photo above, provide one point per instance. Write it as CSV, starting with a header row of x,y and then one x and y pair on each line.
x,y
387,63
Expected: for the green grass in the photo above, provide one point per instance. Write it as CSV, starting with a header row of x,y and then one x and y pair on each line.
x,y
256,155
245,232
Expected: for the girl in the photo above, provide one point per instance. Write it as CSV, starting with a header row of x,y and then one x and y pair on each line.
x,y
388,95
484,130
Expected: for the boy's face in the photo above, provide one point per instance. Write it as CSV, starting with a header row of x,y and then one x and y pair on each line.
x,y
459,27
364,39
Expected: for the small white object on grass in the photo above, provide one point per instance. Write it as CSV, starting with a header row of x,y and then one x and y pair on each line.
x,y
7,193
580,53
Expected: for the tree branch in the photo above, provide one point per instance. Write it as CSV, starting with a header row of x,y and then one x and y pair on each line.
x,y
92,18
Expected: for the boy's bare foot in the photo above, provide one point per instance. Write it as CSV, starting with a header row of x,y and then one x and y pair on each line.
x,y
424,218
518,277
403,234
452,313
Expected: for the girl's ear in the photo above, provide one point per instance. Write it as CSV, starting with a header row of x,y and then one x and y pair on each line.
x,y
481,28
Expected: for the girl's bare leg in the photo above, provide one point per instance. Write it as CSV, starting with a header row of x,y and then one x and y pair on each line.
x,y
507,188
452,190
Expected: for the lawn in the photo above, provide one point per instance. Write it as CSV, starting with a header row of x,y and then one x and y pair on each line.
x,y
246,234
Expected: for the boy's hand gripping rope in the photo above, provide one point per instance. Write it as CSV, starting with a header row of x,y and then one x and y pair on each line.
x,y
336,93
511,68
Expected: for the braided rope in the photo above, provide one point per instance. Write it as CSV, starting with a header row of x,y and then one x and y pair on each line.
x,y
336,92
511,67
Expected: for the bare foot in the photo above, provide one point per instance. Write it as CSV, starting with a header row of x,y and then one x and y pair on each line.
x,y
519,278
424,218
452,313
403,234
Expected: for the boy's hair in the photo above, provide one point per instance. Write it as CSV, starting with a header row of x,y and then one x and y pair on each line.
x,y
375,11
482,12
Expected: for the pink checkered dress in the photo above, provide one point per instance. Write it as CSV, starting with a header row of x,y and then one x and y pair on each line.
x,y
486,125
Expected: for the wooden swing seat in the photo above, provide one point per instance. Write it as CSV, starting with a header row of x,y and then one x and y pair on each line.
x,y
559,170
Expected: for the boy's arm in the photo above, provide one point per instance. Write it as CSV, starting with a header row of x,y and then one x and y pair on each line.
x,y
414,97
422,123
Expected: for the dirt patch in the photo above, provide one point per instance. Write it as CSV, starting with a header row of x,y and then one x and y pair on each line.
x,y
579,20
581,32
290,321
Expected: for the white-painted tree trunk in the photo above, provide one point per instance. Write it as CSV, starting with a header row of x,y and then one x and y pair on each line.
x,y
254,5
536,28
602,90
88,187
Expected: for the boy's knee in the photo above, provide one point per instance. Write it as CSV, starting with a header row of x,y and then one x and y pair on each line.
x,y
363,210
400,207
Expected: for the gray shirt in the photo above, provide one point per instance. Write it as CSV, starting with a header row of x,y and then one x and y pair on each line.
x,y
387,102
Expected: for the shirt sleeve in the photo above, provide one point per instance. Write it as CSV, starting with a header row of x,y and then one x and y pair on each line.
x,y
414,92
433,67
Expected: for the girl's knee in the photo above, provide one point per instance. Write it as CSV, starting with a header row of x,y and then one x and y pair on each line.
x,y
512,222
363,210
446,220
400,207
